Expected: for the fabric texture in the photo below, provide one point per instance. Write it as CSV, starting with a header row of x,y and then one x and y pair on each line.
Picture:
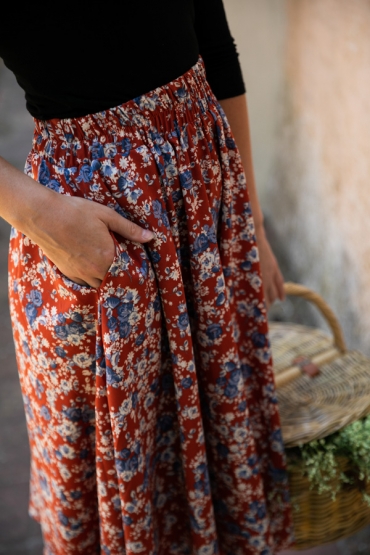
x,y
150,401
101,61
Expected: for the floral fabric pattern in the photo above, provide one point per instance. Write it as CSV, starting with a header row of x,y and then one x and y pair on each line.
x,y
150,401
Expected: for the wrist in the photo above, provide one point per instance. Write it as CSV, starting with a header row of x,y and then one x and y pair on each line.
x,y
37,203
22,199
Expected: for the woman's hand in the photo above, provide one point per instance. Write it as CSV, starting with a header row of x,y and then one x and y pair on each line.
x,y
273,281
74,233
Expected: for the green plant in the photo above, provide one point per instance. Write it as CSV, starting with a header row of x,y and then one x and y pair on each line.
x,y
320,459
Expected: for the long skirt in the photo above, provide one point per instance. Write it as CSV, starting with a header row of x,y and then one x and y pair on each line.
x,y
150,400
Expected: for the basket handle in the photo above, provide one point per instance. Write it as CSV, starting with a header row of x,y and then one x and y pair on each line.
x,y
298,290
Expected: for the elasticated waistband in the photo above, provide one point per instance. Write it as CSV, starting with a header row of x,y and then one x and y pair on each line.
x,y
182,98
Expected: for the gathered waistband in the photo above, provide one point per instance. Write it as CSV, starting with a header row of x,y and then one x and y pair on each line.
x,y
181,99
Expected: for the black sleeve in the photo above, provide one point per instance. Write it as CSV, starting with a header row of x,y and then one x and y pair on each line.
x,y
218,50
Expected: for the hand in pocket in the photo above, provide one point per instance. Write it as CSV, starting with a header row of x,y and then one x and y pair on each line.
x,y
75,234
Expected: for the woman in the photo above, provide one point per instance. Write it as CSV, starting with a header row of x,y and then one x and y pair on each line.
x,y
137,306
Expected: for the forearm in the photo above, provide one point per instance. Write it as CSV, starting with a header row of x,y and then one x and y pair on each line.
x,y
22,199
236,111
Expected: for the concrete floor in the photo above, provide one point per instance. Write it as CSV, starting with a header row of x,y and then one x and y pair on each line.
x,y
19,534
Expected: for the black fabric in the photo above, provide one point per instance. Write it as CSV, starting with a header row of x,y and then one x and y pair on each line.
x,y
72,60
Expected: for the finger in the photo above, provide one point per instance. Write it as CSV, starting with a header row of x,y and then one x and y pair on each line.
x,y
279,284
272,294
128,229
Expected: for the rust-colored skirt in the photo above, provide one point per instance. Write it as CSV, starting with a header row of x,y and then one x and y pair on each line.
x,y
150,401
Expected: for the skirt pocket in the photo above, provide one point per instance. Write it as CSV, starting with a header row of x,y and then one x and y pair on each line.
x,y
112,270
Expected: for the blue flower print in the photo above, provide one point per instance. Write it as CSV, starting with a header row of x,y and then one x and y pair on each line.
x,y
246,265
230,143
186,179
214,331
156,256
31,312
95,165
126,146
124,310
124,182
186,383
258,508
157,208
144,269
63,519
112,302
110,150
85,174
68,172
230,366
53,185
26,348
44,411
43,174
235,376
112,377
242,406
133,195
76,317
107,169
259,340
201,243
183,321
134,399
160,213
221,381
73,414
61,332
124,330
247,371
75,328
181,93
220,299
211,233
276,435
34,296
140,339
112,323
176,195
231,390
97,150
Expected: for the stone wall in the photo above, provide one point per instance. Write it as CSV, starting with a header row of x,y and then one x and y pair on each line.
x,y
307,71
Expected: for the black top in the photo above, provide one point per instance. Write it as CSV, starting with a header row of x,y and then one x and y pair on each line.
x,y
91,57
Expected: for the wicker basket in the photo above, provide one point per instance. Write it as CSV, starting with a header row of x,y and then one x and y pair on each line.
x,y
321,388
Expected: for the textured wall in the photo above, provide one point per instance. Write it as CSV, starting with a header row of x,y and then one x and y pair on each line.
x,y
313,165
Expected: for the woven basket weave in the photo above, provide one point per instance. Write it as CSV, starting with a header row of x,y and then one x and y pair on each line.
x,y
315,407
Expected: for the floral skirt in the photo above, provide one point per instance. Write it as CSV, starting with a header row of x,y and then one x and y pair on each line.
x,y
150,401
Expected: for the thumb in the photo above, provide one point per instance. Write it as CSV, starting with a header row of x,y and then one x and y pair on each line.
x,y
128,229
